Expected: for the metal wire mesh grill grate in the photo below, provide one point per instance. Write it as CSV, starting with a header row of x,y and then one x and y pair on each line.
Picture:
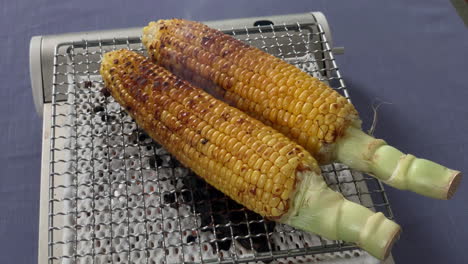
x,y
115,196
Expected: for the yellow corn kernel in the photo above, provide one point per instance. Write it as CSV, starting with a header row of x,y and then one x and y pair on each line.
x,y
268,186
261,181
274,201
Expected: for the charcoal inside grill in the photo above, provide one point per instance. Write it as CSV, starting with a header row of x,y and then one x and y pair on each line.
x,y
186,196
105,92
191,239
155,161
98,108
218,211
142,136
156,145
107,118
88,84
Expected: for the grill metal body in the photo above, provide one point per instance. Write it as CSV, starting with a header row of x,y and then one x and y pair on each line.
x,y
109,194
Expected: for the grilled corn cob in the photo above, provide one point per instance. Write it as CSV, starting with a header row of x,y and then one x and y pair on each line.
x,y
291,101
250,162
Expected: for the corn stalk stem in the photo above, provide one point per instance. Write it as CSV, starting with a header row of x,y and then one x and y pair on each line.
x,y
403,171
318,209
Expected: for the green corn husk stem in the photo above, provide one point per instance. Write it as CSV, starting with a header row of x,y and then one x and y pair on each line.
x,y
318,209
403,171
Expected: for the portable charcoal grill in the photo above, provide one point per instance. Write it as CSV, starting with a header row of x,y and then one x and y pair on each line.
x,y
109,194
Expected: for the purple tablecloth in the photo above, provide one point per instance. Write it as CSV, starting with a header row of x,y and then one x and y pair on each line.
x,y
413,54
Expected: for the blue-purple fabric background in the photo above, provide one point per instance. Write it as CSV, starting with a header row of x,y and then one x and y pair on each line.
x,y
413,54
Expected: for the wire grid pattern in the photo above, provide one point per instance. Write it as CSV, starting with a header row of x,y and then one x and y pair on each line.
x,y
115,196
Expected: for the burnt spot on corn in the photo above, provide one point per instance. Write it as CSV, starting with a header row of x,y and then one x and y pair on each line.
x,y
141,80
116,61
225,66
294,151
229,84
182,60
157,84
225,53
191,103
189,35
144,69
206,41
183,117
179,83
204,141
226,116
157,112
144,97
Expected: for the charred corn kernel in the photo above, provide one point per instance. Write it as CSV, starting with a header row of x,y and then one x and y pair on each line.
x,y
276,189
262,85
229,149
